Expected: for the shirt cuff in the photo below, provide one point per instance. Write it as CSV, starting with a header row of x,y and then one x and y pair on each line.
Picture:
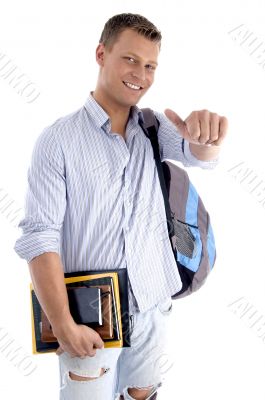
x,y
33,244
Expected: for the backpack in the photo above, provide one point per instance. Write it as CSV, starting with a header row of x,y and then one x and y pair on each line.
x,y
189,227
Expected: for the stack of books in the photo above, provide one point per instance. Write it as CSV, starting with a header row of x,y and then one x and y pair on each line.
x,y
98,299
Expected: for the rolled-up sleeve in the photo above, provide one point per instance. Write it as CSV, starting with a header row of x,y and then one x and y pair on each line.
x,y
174,147
45,200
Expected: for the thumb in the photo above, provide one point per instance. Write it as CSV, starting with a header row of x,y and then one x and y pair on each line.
x,y
98,343
178,122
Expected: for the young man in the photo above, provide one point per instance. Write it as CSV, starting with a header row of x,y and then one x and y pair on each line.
x,y
94,201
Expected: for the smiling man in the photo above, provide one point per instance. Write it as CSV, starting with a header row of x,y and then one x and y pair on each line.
x,y
127,68
94,201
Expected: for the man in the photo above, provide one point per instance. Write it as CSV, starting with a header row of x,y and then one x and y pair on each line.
x,y
94,201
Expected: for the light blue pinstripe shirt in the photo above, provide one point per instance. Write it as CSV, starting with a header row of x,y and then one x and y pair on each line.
x,y
95,199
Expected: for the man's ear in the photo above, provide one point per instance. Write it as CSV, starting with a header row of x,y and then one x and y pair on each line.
x,y
100,54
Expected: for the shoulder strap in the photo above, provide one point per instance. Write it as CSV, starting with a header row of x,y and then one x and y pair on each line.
x,y
150,126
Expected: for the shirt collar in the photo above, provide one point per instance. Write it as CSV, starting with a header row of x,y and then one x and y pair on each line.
x,y
101,118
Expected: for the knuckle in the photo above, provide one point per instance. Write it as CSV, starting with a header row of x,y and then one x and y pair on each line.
x,y
214,115
204,113
224,120
194,114
195,134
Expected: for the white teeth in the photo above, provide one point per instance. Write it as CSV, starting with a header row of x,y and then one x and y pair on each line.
x,y
130,85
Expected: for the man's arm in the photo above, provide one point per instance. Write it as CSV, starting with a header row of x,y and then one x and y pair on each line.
x,y
45,203
48,281
47,276
41,241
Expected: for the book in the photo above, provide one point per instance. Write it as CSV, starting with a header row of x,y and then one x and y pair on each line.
x,y
85,305
124,300
119,305
94,280
104,327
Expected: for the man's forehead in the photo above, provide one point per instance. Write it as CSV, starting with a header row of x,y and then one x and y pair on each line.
x,y
137,45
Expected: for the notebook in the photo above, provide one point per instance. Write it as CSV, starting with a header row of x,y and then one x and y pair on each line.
x,y
85,305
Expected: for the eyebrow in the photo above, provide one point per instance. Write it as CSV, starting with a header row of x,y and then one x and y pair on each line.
x,y
136,56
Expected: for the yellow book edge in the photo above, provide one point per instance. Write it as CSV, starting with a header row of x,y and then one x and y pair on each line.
x,y
114,275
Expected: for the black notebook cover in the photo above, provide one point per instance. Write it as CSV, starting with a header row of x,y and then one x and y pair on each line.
x,y
85,305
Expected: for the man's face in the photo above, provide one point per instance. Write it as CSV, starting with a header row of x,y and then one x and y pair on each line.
x,y
127,69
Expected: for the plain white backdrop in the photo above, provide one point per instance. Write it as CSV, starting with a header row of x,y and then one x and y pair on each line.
x,y
216,348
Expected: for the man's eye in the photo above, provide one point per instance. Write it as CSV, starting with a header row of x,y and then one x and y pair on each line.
x,y
130,59
151,67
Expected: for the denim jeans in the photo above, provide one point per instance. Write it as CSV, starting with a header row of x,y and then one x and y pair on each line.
x,y
138,366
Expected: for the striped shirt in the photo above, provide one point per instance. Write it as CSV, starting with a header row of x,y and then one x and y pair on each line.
x,y
95,199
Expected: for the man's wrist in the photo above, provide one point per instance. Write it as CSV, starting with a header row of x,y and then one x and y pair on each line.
x,y
204,152
62,325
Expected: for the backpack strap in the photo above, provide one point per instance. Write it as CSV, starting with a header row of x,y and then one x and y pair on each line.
x,y
150,126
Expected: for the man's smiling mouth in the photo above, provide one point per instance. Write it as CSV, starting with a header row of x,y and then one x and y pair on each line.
x,y
132,86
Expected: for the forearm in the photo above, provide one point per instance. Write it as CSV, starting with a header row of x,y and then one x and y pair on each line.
x,y
48,281
204,153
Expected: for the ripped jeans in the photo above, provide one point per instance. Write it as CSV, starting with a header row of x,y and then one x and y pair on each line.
x,y
140,366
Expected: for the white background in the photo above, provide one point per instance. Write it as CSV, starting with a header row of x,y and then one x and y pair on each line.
x,y
215,353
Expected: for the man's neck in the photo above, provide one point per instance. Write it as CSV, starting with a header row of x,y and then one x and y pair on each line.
x,y
118,116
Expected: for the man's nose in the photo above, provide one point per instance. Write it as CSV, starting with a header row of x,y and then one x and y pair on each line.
x,y
139,73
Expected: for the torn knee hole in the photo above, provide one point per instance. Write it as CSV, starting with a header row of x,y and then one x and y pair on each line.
x,y
76,377
140,393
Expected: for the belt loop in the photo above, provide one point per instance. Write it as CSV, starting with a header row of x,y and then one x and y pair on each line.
x,y
132,321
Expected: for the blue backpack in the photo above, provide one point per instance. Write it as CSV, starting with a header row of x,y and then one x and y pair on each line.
x,y
189,228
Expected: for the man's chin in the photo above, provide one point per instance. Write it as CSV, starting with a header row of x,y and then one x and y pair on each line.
x,y
133,102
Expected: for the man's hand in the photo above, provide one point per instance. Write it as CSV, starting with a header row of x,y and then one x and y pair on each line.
x,y
78,340
204,130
